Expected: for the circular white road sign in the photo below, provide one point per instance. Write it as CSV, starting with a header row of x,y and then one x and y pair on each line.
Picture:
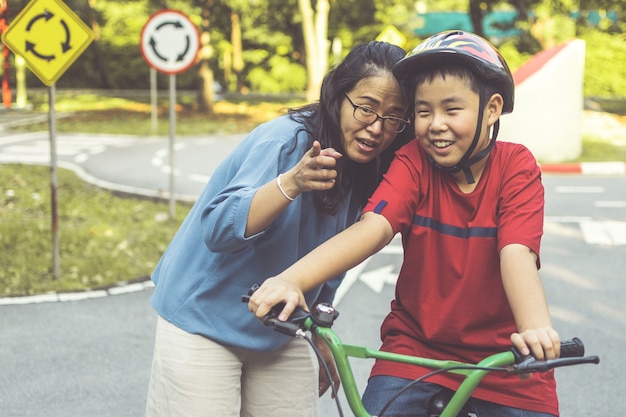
x,y
170,42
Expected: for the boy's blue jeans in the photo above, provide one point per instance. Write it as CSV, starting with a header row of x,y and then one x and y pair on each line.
x,y
414,402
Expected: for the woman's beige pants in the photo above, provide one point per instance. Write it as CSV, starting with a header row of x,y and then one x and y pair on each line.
x,y
193,376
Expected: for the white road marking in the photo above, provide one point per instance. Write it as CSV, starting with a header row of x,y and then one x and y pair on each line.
x,y
603,168
203,179
595,232
567,189
610,204
377,278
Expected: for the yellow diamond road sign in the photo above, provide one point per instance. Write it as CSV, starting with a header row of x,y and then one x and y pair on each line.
x,y
49,36
392,35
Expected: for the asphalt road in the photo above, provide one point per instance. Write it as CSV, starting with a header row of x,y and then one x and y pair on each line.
x,y
76,358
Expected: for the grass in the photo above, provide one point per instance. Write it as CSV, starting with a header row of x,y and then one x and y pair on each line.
x,y
595,150
107,238
104,238
131,113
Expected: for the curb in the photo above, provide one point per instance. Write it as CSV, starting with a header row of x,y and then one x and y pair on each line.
x,y
54,297
586,168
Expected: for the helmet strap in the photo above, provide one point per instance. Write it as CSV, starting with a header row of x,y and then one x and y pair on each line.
x,y
466,162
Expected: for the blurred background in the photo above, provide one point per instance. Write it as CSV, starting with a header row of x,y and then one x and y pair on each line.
x,y
285,46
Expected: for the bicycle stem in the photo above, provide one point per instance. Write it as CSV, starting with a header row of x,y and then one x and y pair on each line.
x,y
344,369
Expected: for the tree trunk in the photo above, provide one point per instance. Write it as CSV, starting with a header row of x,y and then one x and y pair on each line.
x,y
315,29
323,45
98,61
235,39
476,16
206,94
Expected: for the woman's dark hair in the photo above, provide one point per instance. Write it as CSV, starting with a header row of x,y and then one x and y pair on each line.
x,y
322,120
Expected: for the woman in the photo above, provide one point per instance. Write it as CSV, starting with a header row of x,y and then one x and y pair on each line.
x,y
290,185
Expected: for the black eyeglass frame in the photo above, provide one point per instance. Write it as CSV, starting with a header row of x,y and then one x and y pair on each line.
x,y
378,116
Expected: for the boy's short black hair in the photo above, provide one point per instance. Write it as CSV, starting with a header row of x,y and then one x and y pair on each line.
x,y
445,67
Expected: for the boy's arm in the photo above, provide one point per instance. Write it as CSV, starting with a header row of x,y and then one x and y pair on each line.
x,y
335,256
527,299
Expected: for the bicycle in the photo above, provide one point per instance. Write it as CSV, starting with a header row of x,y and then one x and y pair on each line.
x,y
321,319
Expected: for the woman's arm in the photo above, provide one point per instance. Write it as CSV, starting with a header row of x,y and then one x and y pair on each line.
x,y
335,256
527,299
315,171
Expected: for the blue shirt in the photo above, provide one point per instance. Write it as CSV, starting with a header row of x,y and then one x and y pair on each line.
x,y
209,264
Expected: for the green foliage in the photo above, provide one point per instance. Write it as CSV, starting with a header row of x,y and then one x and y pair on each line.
x,y
513,56
104,238
273,45
605,72
283,76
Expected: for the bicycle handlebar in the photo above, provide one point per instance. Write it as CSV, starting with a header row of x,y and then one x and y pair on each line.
x,y
573,348
572,351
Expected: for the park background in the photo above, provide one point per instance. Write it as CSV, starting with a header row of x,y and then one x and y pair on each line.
x,y
256,58
284,46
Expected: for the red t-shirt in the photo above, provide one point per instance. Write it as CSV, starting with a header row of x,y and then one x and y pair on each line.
x,y
450,301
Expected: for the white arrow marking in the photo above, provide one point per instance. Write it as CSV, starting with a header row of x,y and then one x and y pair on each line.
x,y
351,276
394,248
377,278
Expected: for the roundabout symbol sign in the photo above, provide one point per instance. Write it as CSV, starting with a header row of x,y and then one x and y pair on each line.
x,y
170,42
49,36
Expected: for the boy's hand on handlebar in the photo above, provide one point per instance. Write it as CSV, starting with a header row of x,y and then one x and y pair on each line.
x,y
543,343
273,291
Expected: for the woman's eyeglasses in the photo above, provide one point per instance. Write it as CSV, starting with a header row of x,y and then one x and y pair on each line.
x,y
367,115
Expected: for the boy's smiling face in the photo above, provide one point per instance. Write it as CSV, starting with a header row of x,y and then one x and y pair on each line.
x,y
446,113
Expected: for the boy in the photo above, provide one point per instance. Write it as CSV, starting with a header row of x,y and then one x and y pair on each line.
x,y
470,212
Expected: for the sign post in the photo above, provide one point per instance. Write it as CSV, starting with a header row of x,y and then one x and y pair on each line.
x,y
50,37
169,44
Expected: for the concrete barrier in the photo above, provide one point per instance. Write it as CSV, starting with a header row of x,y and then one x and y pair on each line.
x,y
547,117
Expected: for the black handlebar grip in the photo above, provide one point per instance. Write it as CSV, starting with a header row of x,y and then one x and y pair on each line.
x,y
572,348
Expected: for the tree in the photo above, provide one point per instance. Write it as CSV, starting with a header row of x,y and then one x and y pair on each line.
x,y
94,22
476,16
233,58
206,93
315,30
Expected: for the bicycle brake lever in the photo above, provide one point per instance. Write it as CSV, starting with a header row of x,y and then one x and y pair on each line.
x,y
292,326
246,297
288,328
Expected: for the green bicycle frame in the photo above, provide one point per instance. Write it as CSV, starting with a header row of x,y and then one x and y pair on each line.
x,y
342,352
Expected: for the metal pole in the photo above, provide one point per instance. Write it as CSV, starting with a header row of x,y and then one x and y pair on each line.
x,y
153,98
171,147
56,264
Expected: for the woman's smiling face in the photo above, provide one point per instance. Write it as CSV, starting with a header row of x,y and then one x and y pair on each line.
x,y
362,142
